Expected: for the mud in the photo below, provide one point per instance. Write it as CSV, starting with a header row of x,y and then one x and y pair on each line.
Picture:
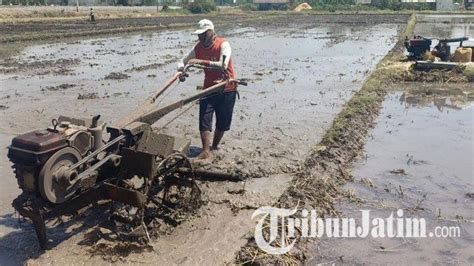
x,y
88,96
59,87
279,115
33,66
317,185
114,75
326,170
60,29
428,138
44,30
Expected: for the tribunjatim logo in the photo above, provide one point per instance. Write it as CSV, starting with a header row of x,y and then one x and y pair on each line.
x,y
276,227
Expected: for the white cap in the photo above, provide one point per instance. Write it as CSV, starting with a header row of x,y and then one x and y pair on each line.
x,y
203,26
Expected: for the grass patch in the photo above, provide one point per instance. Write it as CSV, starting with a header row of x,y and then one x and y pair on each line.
x,y
372,92
468,72
201,7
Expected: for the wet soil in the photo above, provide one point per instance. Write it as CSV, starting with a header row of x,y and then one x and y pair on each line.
x,y
318,184
296,89
40,67
417,158
11,32
114,75
437,161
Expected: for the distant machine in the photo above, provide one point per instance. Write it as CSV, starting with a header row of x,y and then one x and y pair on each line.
x,y
418,47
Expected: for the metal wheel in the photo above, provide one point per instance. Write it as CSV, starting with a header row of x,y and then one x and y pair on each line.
x,y
56,183
171,196
180,190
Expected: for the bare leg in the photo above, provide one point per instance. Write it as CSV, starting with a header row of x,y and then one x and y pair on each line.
x,y
206,141
217,139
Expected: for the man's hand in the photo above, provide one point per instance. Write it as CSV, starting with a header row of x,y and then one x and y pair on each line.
x,y
180,67
198,62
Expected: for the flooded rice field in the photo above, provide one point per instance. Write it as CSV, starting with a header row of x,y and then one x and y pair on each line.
x,y
301,82
430,141
419,158
300,76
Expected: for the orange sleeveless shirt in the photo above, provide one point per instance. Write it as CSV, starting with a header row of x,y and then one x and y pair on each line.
x,y
213,53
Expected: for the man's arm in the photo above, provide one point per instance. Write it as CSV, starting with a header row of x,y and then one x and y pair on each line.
x,y
190,55
225,50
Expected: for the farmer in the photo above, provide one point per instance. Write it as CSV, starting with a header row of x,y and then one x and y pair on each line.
x,y
210,50
92,15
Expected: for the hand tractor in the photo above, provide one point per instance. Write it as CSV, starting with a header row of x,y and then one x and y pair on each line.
x,y
68,166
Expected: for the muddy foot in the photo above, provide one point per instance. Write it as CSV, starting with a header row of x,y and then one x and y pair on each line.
x,y
203,156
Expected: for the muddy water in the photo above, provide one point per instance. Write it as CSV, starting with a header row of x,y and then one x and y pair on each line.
x,y
430,140
300,75
433,142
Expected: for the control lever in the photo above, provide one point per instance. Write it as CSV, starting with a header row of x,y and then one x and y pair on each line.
x,y
55,124
95,119
242,82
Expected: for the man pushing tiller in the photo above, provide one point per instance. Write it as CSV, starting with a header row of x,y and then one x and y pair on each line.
x,y
59,175
213,52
